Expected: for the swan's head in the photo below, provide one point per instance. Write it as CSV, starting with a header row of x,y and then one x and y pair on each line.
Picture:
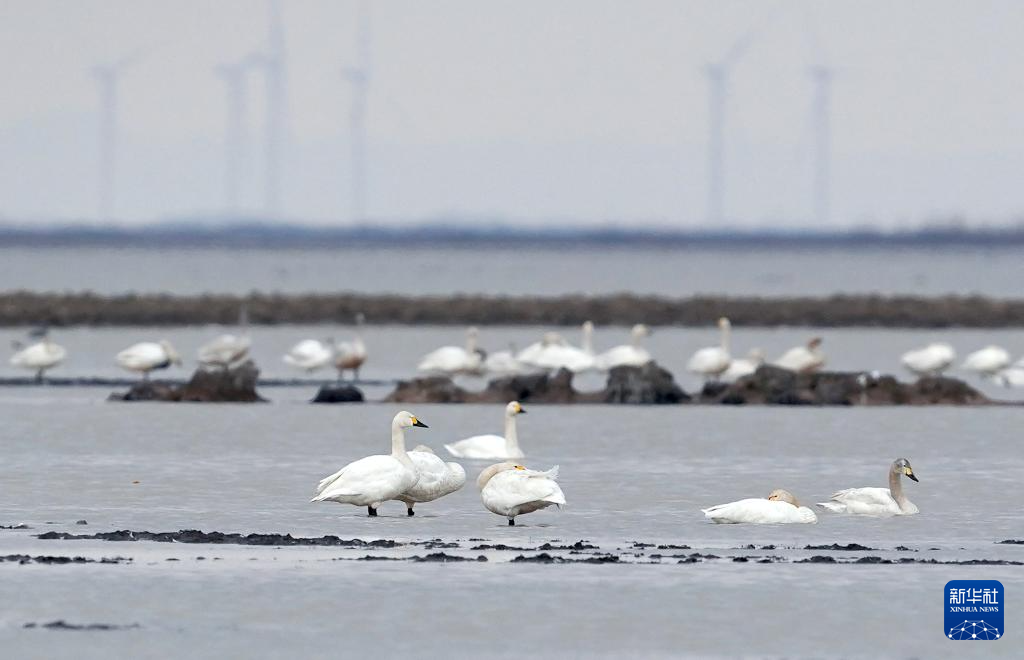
x,y
489,472
640,330
407,420
723,324
588,326
172,355
902,466
473,331
814,343
514,408
781,495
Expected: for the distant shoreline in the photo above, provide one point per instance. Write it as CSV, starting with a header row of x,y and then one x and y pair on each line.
x,y
22,308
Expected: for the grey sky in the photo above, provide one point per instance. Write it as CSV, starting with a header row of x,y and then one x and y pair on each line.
x,y
574,110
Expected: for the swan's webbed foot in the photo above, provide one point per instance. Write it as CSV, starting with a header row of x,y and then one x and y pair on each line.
x,y
511,522
410,512
370,511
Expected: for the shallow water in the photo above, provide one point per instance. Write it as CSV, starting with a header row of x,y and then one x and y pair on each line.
x,y
629,474
518,270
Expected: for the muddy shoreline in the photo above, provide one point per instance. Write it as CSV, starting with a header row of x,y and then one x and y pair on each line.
x,y
21,308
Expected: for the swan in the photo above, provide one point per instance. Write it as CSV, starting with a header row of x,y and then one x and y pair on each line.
x,y
148,356
560,354
492,446
509,490
780,507
1012,376
626,355
374,479
454,359
40,356
987,361
931,360
225,350
350,355
743,366
713,361
504,363
532,353
877,501
437,478
803,359
310,355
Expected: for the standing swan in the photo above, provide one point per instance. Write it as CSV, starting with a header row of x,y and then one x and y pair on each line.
x,y
931,360
626,355
492,446
713,361
350,355
877,501
987,361
803,359
780,507
509,490
374,479
40,356
437,478
148,356
225,350
454,359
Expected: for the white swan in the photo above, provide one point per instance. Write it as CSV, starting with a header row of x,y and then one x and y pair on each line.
x,y
40,356
227,349
310,355
148,356
803,359
350,355
437,478
780,507
531,353
987,361
1012,376
510,490
374,479
454,359
626,355
743,366
562,355
713,361
504,363
931,360
877,501
492,446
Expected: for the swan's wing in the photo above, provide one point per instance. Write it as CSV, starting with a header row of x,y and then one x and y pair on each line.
x,y
864,496
478,446
516,487
446,358
380,476
144,354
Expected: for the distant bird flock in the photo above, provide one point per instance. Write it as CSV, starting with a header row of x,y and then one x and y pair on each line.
x,y
551,352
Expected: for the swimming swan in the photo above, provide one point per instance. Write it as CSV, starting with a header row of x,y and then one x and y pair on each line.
x,y
148,356
454,359
437,478
626,355
877,501
350,355
510,490
374,479
40,356
713,361
780,507
803,359
492,446
931,360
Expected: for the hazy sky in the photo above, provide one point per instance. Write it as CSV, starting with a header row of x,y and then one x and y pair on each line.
x,y
583,111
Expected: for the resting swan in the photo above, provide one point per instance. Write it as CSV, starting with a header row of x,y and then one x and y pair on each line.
x,y
148,356
226,349
713,361
931,360
437,478
509,490
780,507
310,355
877,501
39,357
626,355
803,359
562,355
374,479
454,359
743,366
492,446
987,361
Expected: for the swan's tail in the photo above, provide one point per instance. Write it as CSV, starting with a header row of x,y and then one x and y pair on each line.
x,y
835,507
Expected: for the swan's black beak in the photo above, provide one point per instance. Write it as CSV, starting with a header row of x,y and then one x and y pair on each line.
x,y
420,424
910,474
522,411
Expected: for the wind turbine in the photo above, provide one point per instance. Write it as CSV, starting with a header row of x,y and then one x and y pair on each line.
x,y
358,77
273,63
107,78
821,79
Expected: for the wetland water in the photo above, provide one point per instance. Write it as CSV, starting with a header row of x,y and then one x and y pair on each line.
x,y
630,475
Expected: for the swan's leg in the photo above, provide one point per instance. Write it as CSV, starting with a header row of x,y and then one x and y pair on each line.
x,y
511,522
39,375
370,511
409,511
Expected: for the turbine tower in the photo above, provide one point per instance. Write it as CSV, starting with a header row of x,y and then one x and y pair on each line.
x,y
107,78
274,67
821,79
358,77
234,77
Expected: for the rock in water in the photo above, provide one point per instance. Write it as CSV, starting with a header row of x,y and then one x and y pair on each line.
x,y
431,389
209,385
338,393
643,385
148,390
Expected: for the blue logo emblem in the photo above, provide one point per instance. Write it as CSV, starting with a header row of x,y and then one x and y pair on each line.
x,y
974,609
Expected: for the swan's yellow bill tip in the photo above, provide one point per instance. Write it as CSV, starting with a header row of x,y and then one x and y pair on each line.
x,y
520,467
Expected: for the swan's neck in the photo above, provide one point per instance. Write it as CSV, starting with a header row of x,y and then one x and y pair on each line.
x,y
471,343
511,438
896,489
725,338
637,336
588,340
398,446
